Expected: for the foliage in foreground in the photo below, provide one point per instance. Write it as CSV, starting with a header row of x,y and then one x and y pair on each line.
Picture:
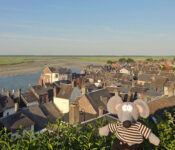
x,y
67,137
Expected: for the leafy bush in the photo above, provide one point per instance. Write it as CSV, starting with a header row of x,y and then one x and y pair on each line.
x,y
129,60
111,62
86,137
166,130
163,68
122,60
149,59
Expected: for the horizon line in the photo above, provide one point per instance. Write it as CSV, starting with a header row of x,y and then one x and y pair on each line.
x,y
88,55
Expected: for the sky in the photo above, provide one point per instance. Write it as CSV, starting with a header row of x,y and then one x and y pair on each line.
x,y
87,27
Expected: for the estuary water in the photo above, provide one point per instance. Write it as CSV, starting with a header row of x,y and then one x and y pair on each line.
x,y
23,81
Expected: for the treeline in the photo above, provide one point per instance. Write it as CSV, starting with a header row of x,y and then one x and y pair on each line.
x,y
66,137
127,60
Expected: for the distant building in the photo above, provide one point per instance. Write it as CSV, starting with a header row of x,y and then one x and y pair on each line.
x,y
125,71
52,74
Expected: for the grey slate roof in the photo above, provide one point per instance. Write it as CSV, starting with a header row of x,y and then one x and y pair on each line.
x,y
145,77
152,93
60,70
6,103
65,91
39,89
37,115
14,121
51,112
95,98
29,97
161,104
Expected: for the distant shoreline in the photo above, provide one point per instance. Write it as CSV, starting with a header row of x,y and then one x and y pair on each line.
x,y
39,65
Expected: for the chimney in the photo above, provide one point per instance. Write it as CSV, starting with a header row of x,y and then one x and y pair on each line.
x,y
117,93
13,92
83,90
8,93
104,85
47,98
171,90
3,91
73,83
19,94
55,92
129,95
100,111
41,82
16,107
133,83
74,114
154,77
140,73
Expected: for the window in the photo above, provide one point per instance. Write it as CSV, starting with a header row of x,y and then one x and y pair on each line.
x,y
148,99
56,75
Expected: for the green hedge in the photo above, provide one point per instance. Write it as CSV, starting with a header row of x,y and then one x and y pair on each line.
x,y
67,137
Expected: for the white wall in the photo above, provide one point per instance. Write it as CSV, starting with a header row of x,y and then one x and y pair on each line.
x,y
54,78
9,111
47,74
61,104
165,90
125,71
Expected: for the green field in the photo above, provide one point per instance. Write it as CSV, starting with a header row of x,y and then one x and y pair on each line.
x,y
11,60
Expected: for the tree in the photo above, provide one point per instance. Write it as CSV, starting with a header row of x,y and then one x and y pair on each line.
x,y
122,60
129,60
109,62
163,68
149,59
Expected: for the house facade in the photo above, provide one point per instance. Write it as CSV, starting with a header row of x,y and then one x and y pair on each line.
x,y
64,96
52,74
125,71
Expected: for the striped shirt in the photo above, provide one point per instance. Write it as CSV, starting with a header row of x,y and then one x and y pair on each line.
x,y
132,135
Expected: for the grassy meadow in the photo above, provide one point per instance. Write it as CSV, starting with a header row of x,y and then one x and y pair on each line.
x,y
12,60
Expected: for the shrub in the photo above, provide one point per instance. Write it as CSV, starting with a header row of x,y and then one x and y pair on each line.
x,y
86,137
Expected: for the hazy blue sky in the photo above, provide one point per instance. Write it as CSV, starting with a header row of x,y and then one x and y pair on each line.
x,y
87,27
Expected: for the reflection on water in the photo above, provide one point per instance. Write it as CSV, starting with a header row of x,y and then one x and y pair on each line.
x,y
23,81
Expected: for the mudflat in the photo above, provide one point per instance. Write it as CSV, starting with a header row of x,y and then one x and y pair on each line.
x,y
39,65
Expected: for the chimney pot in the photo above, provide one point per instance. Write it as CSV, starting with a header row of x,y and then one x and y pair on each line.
x,y
104,85
47,98
84,90
73,83
8,93
117,92
41,82
16,107
3,91
55,92
100,111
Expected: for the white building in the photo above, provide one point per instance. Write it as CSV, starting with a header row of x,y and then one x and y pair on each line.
x,y
52,74
125,71
65,96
